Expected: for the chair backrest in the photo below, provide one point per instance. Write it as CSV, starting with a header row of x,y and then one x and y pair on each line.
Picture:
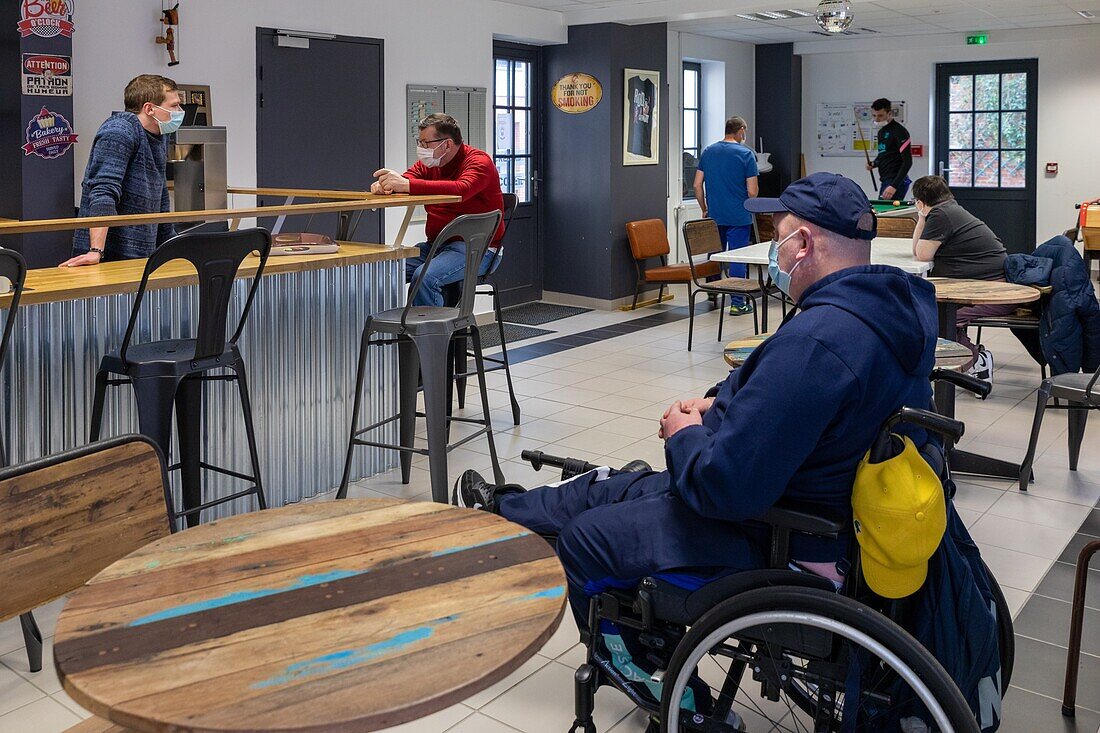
x,y
14,268
701,238
896,226
66,517
764,226
647,238
511,201
477,231
216,257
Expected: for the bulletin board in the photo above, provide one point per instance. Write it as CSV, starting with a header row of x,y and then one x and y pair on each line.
x,y
465,104
837,131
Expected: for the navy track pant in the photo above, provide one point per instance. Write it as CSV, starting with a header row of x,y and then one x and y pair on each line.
x,y
613,530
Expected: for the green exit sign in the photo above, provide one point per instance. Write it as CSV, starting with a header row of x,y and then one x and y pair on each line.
x,y
979,40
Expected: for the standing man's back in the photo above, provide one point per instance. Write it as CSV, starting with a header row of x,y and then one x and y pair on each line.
x,y
725,179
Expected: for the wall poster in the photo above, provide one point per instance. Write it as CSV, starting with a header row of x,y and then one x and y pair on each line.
x,y
641,117
576,93
840,124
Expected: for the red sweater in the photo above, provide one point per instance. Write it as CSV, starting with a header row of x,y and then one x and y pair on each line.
x,y
472,175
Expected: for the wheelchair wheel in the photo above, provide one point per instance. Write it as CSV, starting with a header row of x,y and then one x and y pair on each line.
x,y
1006,635
786,659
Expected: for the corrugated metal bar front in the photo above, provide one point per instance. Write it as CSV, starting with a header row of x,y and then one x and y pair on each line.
x,y
301,349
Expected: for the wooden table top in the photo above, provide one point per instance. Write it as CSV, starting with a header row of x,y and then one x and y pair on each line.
x,y
304,193
893,251
349,615
949,354
360,202
981,292
55,284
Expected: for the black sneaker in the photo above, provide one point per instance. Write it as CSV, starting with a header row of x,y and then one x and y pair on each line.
x,y
636,467
472,491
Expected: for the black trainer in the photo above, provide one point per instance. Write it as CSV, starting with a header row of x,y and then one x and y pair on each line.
x,y
472,491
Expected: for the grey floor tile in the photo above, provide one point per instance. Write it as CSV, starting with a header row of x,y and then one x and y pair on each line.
x,y
1059,581
1047,619
1041,668
1027,712
1073,550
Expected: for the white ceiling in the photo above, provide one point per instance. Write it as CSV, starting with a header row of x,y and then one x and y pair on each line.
x,y
886,17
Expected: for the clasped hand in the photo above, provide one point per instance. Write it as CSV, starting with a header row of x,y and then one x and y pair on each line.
x,y
389,181
682,414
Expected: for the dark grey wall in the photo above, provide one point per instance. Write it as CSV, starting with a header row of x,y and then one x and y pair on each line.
x,y
779,113
32,187
590,194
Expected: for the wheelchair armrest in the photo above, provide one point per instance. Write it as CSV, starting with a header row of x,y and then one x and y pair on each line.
x,y
965,381
794,517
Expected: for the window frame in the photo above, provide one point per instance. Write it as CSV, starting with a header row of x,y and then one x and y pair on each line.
x,y
688,193
510,158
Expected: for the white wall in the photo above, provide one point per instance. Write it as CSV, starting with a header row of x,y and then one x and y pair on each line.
x,y
729,83
903,69
425,42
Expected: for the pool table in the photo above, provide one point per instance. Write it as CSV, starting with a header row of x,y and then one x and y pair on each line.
x,y
886,208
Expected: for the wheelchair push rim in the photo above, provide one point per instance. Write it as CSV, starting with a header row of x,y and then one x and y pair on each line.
x,y
916,667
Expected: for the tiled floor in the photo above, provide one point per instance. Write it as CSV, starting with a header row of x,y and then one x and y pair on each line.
x,y
595,389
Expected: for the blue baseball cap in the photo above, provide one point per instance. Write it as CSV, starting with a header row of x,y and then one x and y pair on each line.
x,y
829,200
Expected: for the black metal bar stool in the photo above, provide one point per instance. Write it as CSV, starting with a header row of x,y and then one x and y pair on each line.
x,y
14,268
486,285
169,374
424,337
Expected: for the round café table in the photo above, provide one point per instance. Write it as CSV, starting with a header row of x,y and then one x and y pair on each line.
x,y
951,294
346,615
949,354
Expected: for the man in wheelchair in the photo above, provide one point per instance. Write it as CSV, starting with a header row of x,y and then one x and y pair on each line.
x,y
792,424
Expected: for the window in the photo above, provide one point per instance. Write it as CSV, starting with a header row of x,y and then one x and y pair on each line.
x,y
512,112
693,124
987,137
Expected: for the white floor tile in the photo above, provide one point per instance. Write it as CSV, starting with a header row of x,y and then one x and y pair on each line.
x,y
436,722
486,696
15,692
45,715
542,703
478,723
1013,534
596,440
1025,507
1015,569
45,679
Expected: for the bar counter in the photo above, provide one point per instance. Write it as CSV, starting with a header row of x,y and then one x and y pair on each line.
x,y
300,345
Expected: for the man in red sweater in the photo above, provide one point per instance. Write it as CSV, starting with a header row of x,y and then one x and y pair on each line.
x,y
446,166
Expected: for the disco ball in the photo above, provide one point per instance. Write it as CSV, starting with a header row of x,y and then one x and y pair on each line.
x,y
834,16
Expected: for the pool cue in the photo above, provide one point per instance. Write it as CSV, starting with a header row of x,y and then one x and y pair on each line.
x,y
867,155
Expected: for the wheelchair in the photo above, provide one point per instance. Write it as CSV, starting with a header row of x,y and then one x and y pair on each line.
x,y
774,649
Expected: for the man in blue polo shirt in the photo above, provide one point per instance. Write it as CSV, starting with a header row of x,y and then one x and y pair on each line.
x,y
728,172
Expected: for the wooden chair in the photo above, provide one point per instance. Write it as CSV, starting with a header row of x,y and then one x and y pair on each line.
x,y
648,240
702,240
898,227
98,725
68,516
763,227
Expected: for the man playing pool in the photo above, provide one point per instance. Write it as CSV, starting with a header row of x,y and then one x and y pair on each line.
x,y
895,155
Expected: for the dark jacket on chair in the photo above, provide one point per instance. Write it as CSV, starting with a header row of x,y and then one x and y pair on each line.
x,y
1069,329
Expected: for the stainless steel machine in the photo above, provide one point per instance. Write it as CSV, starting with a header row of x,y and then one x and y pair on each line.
x,y
199,169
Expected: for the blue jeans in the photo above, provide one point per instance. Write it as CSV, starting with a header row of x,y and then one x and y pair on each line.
x,y
448,266
736,237
899,194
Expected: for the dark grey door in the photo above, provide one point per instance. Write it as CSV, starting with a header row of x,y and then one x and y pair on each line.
x,y
985,143
517,150
319,120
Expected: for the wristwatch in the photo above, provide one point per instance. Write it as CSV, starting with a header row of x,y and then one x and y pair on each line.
x,y
97,251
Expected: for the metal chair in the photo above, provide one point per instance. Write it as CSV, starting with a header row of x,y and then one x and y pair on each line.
x,y
424,336
1081,394
648,240
486,285
702,240
169,374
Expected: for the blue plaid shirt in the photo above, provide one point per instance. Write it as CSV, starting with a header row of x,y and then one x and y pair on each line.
x,y
125,175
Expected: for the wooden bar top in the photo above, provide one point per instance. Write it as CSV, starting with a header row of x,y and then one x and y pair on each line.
x,y
55,284
360,202
303,193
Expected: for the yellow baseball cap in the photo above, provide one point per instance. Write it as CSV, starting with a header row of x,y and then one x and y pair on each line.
x,y
900,517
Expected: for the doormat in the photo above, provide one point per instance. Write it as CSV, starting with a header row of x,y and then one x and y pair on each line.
x,y
536,314
490,334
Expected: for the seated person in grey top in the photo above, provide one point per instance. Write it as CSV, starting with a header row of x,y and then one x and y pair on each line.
x,y
960,245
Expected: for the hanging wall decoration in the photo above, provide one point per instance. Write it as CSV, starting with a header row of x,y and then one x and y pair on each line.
x,y
49,135
46,18
576,93
641,117
170,19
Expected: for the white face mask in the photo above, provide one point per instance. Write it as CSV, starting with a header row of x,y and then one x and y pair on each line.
x,y
879,124
427,157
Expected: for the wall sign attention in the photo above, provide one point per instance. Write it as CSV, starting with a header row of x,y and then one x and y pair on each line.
x,y
46,18
47,75
576,93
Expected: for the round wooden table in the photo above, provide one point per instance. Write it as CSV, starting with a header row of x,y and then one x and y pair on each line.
x,y
347,615
949,354
980,292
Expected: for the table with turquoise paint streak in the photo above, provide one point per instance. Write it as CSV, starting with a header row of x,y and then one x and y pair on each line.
x,y
341,615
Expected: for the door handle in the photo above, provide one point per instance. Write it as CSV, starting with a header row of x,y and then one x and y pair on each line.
x,y
944,169
535,183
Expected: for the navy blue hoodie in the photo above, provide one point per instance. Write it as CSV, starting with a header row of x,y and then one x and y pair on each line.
x,y
797,417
